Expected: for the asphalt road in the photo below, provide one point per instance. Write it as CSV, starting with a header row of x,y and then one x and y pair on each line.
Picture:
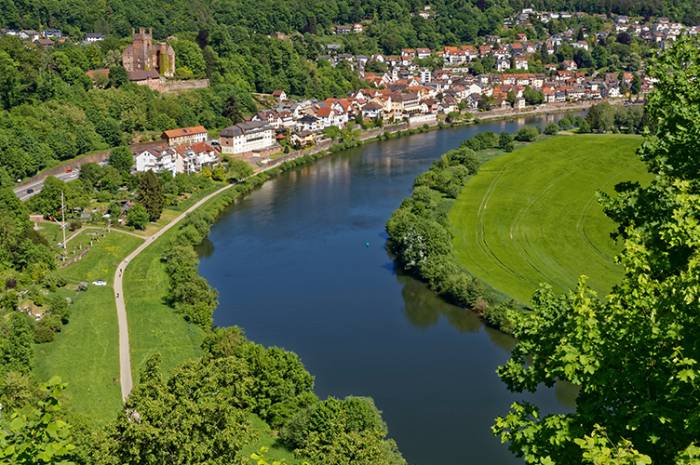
x,y
27,191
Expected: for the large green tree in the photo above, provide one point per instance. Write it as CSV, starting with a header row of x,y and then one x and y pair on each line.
x,y
121,159
635,353
151,195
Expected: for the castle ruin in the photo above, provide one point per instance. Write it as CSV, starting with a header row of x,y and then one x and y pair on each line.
x,y
143,55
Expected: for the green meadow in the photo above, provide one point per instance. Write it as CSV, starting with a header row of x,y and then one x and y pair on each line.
x,y
532,216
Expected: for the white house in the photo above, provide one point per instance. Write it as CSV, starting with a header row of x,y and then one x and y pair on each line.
x,y
502,64
245,137
197,156
92,37
521,63
159,159
372,110
308,123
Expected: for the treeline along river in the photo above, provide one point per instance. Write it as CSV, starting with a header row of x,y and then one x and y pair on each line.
x,y
301,264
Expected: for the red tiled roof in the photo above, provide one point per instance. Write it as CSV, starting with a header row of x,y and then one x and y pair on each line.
x,y
324,112
180,132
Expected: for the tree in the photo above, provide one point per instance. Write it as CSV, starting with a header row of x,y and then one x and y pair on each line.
x,y
151,195
342,432
527,134
37,435
196,417
121,159
601,117
48,201
118,76
90,174
533,96
238,169
636,85
414,238
486,102
137,216
634,353
551,129
583,58
505,142
189,56
10,81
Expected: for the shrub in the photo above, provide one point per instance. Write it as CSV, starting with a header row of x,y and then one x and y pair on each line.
x,y
551,129
137,216
527,134
46,328
333,429
482,141
413,239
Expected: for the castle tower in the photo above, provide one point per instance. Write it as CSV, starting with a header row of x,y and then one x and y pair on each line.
x,y
143,55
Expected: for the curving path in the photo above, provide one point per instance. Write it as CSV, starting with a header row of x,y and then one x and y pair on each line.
x,y
125,379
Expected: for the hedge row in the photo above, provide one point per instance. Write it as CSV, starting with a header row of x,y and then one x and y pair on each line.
x,y
420,239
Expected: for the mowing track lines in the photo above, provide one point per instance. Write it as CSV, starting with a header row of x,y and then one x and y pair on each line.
x,y
522,250
480,231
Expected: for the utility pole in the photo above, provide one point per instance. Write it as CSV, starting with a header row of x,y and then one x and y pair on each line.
x,y
63,220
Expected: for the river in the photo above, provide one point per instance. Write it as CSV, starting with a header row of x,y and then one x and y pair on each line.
x,y
301,264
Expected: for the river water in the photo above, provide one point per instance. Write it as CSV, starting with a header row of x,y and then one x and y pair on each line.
x,y
301,264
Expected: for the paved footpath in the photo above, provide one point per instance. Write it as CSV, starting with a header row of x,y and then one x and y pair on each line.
x,y
125,379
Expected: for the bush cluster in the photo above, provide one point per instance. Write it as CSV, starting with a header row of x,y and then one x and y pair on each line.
x,y
420,239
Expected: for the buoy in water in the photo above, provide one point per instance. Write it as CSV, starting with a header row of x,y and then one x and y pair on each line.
x,y
367,244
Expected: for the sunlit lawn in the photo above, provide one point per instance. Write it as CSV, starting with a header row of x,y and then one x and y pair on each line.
x,y
85,354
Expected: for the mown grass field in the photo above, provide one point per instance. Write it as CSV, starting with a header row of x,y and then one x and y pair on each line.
x,y
532,216
153,325
85,353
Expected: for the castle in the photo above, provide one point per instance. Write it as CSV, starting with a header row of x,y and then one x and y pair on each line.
x,y
144,55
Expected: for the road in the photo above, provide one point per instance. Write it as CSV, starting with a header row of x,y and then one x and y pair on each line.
x,y
27,191
125,378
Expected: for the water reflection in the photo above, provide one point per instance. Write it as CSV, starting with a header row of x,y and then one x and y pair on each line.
x,y
292,268
423,308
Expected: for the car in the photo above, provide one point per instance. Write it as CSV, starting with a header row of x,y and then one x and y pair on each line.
x,y
30,191
69,169
99,282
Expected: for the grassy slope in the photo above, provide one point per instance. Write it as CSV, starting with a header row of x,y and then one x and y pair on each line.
x,y
531,216
85,353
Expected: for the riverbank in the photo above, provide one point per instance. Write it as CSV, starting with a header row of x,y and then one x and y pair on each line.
x,y
67,168
154,326
493,267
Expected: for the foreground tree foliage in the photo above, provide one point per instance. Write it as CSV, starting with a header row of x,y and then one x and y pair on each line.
x,y
348,432
635,354
202,413
36,434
